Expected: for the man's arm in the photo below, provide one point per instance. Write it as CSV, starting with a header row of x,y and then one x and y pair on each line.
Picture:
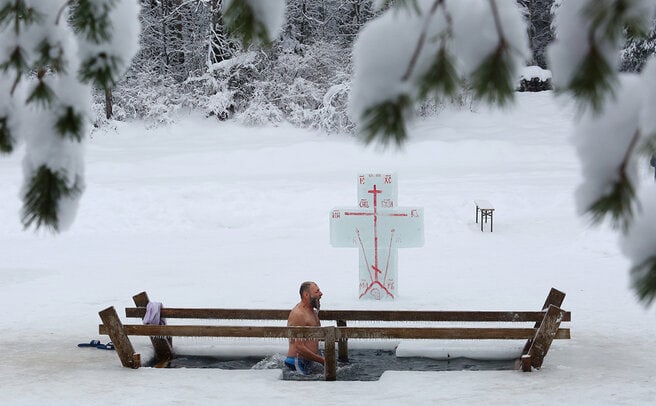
x,y
304,352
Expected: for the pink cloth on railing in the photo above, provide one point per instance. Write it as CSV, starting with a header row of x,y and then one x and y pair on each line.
x,y
152,315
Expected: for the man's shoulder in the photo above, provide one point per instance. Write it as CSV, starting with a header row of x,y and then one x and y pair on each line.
x,y
295,313
301,316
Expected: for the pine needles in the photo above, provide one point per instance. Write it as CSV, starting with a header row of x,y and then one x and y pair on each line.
x,y
242,23
6,140
386,121
42,196
643,280
493,80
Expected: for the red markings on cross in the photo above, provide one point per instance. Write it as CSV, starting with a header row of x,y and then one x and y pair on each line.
x,y
378,228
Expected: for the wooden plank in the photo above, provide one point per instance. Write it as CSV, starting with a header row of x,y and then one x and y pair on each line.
x,y
342,345
317,333
344,333
141,299
330,368
362,315
445,333
163,346
453,315
114,329
210,313
544,336
555,298
526,363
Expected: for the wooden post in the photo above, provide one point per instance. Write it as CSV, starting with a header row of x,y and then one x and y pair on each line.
x,y
526,363
342,344
120,340
545,335
163,345
556,298
141,299
330,368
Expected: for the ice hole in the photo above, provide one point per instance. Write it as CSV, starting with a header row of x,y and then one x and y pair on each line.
x,y
365,363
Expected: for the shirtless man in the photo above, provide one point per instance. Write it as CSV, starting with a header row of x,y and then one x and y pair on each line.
x,y
306,313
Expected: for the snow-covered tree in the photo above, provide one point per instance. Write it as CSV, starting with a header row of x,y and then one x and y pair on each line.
x,y
51,53
638,50
538,17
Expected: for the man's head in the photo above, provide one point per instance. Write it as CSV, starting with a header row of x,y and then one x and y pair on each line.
x,y
311,294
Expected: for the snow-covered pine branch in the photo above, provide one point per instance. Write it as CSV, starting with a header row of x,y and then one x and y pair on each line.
x,y
47,46
254,21
473,43
617,125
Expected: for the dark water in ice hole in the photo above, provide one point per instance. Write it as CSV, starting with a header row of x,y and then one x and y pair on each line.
x,y
364,365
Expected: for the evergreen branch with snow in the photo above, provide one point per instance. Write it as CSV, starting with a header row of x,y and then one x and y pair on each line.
x,y
16,60
616,204
442,58
6,140
241,22
42,94
19,13
70,123
441,80
386,121
592,71
593,81
91,19
51,51
419,46
101,69
610,19
493,80
253,21
643,280
617,126
43,196
51,55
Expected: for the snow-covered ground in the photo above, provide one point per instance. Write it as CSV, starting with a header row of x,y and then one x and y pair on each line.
x,y
208,214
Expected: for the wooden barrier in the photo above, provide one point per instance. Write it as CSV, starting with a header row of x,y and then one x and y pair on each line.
x,y
546,328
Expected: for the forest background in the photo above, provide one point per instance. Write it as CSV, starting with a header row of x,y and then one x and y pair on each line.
x,y
187,62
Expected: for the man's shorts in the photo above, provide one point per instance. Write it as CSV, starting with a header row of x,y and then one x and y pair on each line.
x,y
299,364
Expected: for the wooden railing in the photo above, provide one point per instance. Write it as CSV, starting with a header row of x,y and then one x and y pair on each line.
x,y
546,328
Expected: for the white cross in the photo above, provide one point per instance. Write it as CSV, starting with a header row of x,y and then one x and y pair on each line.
x,y
377,228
